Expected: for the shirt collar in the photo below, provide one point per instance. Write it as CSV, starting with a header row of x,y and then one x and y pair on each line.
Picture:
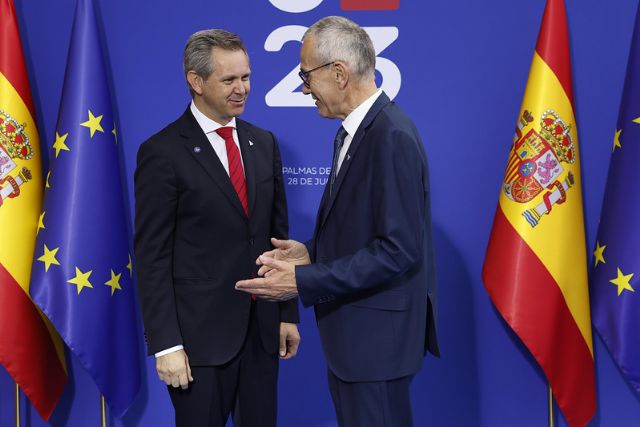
x,y
206,124
352,122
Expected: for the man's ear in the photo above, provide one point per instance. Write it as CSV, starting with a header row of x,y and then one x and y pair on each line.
x,y
195,82
341,73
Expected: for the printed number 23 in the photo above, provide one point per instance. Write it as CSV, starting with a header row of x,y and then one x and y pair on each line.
x,y
284,93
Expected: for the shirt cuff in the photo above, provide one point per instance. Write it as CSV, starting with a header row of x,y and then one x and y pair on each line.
x,y
169,350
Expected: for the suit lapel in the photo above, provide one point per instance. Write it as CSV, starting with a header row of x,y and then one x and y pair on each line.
x,y
377,106
249,161
322,208
196,142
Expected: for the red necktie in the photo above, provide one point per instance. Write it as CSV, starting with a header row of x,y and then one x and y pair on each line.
x,y
236,173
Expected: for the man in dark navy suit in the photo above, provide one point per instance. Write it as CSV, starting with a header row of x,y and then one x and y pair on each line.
x,y
209,195
369,268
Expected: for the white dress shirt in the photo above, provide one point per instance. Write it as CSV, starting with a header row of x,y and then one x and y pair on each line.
x,y
352,122
209,128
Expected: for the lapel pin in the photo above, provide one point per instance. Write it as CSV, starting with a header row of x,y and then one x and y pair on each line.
x,y
348,156
250,143
196,149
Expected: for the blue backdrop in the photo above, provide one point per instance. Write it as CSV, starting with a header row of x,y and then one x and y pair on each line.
x,y
459,69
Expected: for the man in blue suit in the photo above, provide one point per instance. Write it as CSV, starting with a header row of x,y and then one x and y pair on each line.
x,y
369,268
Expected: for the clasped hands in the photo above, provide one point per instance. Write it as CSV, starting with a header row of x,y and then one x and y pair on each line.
x,y
277,281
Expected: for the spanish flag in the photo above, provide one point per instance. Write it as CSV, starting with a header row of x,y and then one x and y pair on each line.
x,y
30,350
535,267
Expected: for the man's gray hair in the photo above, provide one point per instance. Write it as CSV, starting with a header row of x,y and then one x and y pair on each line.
x,y
197,52
337,38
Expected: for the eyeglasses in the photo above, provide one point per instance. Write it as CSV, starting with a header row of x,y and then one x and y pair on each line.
x,y
304,75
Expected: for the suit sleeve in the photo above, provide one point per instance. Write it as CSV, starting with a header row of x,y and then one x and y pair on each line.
x,y
280,227
311,245
155,214
399,220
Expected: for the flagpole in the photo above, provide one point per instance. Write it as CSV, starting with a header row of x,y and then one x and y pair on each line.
x,y
17,405
103,411
550,407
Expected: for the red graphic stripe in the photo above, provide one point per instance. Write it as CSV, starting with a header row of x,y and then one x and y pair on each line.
x,y
26,348
531,302
553,44
11,57
369,4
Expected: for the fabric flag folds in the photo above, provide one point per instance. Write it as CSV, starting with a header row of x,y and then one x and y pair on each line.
x,y
615,287
535,268
82,275
30,350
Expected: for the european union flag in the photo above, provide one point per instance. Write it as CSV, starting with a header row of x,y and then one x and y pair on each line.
x,y
615,281
82,276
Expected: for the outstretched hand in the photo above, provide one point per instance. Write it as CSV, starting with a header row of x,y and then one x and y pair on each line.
x,y
290,251
278,283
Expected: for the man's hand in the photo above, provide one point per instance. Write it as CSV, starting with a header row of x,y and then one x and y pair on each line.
x,y
174,369
289,340
279,283
290,251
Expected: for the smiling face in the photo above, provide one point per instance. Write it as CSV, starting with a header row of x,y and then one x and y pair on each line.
x,y
223,94
322,87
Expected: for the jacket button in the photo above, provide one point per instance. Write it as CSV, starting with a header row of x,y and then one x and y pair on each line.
x,y
252,242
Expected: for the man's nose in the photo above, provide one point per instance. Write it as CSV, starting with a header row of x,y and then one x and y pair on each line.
x,y
240,87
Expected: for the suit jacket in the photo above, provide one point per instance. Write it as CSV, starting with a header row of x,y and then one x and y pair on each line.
x,y
372,280
193,240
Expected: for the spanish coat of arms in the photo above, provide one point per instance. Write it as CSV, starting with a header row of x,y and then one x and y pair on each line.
x,y
14,145
536,164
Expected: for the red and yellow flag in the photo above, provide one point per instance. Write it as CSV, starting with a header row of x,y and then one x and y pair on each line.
x,y
535,268
30,350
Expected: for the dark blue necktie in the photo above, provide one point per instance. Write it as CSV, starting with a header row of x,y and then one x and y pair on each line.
x,y
337,146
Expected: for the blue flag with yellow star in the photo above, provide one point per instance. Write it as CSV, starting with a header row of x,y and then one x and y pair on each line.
x,y
82,275
615,280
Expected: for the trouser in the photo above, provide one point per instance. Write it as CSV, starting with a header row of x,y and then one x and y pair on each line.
x,y
246,387
372,404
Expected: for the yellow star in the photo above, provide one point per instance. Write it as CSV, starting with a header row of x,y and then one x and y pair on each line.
x,y
114,282
115,136
599,254
46,184
59,144
81,280
622,281
49,257
130,266
40,222
93,123
616,140
636,120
